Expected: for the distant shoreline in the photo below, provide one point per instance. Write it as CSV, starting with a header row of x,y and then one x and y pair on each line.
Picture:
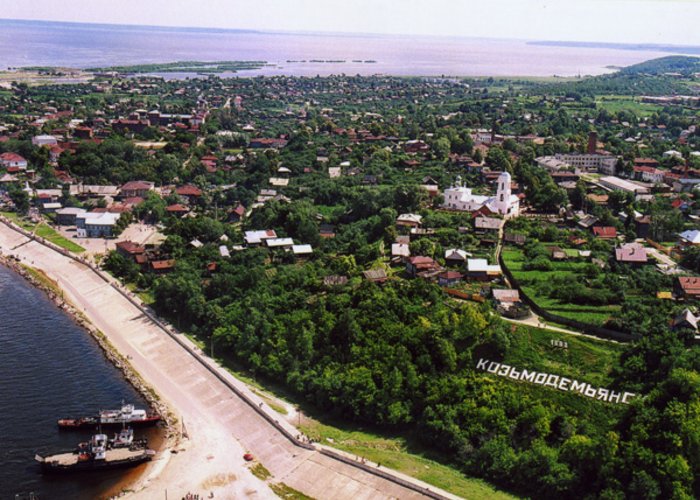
x,y
645,47
85,45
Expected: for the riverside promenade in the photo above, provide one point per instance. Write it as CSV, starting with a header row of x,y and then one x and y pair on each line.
x,y
222,417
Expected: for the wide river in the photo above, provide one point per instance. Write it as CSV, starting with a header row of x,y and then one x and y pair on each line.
x,y
25,43
49,368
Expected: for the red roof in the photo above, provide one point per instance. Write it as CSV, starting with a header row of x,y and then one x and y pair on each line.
x,y
420,260
130,247
177,207
690,285
450,275
137,186
188,190
11,158
645,162
605,232
160,265
642,168
632,252
133,200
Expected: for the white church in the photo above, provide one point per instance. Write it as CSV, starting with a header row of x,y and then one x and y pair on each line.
x,y
504,203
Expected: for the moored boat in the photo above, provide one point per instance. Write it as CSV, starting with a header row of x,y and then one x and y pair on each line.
x,y
126,415
95,455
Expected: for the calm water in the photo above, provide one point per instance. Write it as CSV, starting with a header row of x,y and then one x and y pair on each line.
x,y
24,43
49,368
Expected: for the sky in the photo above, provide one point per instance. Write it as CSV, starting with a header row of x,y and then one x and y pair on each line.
x,y
622,21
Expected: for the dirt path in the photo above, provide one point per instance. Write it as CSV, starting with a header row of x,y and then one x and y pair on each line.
x,y
537,321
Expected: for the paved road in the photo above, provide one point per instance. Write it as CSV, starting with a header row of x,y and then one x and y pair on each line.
x,y
221,426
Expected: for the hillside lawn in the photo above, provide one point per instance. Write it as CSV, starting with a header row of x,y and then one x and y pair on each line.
x,y
596,315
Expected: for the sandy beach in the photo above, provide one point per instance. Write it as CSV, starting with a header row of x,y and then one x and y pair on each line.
x,y
220,425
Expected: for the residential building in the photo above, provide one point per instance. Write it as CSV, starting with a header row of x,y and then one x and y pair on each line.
x,y
409,220
448,278
67,216
685,320
481,270
605,232
455,256
420,265
687,287
631,253
487,224
690,237
257,237
96,224
137,188
13,160
44,140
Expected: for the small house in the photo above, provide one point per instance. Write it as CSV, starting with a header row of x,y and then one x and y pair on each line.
x,y
400,251
409,220
130,250
335,280
631,253
420,265
137,188
375,275
685,320
481,270
687,287
448,278
456,257
162,266
257,237
605,232
487,224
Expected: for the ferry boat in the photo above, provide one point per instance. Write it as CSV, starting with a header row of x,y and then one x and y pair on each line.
x,y
126,415
125,439
96,454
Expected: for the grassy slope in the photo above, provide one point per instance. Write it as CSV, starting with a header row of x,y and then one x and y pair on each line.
x,y
402,455
48,233
585,359
45,231
591,314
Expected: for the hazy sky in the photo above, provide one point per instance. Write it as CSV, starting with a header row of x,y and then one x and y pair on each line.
x,y
640,21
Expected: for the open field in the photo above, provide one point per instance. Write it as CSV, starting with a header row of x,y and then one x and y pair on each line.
x,y
615,104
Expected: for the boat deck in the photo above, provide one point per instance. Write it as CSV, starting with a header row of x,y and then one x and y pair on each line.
x,y
112,456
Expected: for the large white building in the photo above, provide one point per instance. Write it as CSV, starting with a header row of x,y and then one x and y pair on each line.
x,y
590,162
461,198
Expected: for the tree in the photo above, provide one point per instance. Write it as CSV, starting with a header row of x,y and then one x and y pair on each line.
x,y
20,198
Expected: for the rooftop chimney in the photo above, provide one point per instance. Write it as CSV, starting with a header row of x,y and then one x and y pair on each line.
x,y
592,142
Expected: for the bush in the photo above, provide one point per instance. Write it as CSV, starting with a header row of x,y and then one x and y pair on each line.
x,y
540,263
